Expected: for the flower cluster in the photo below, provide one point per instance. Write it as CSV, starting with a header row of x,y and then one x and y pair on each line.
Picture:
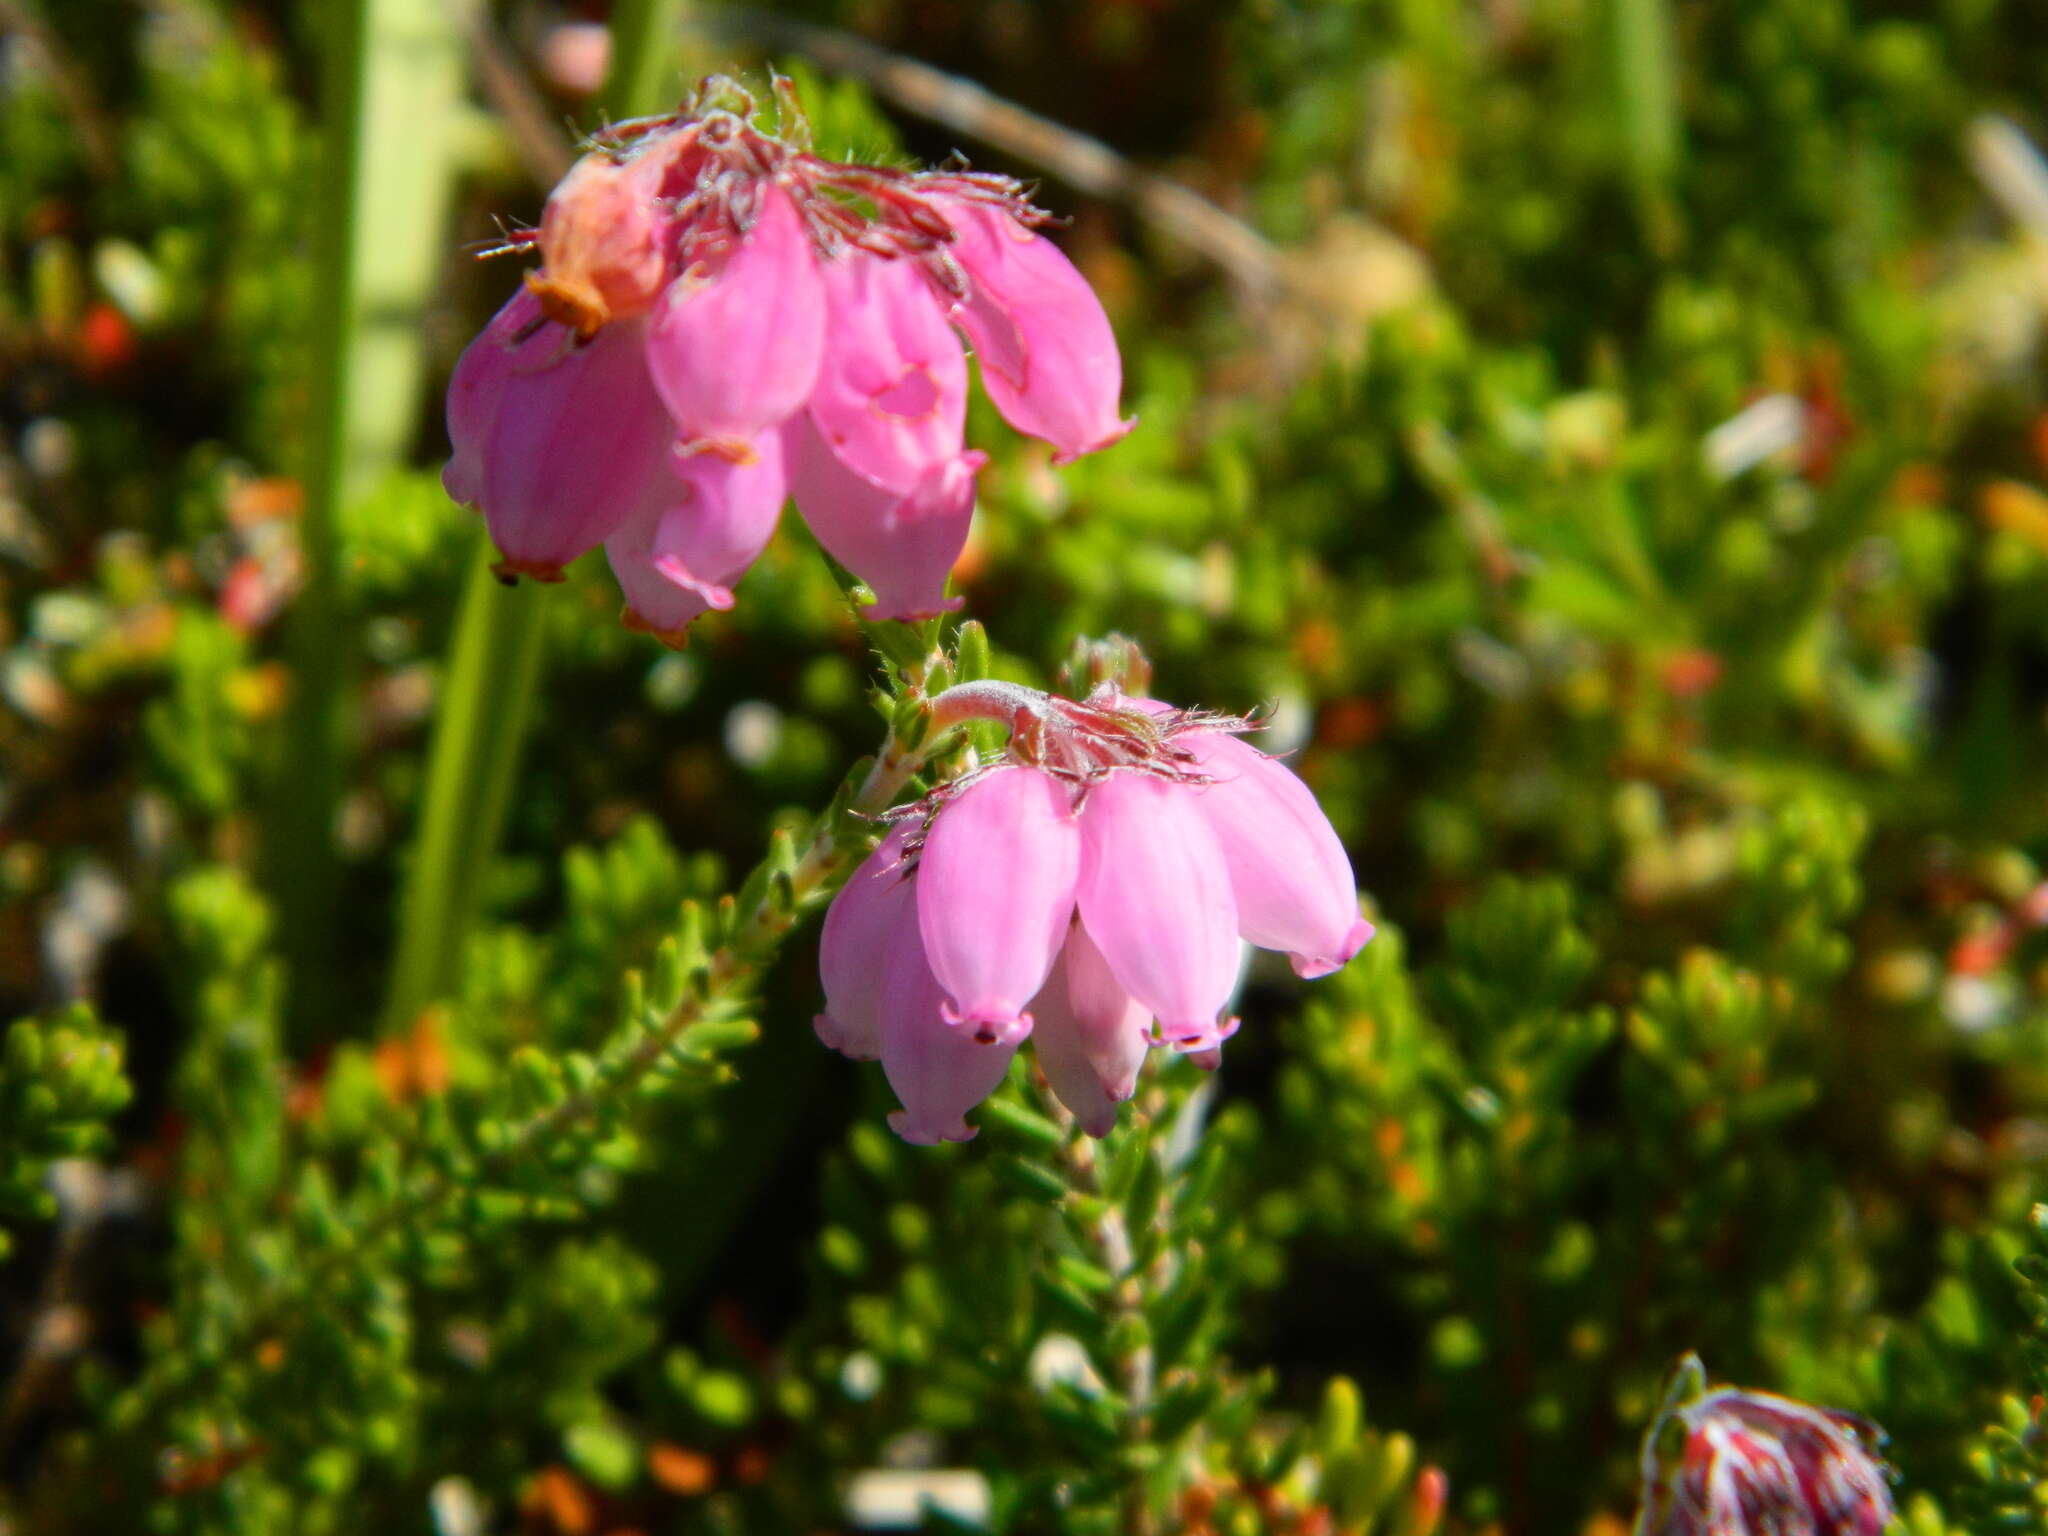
x,y
722,319
1090,890
1732,1463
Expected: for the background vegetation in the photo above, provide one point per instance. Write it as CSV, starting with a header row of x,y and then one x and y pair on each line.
x,y
1619,460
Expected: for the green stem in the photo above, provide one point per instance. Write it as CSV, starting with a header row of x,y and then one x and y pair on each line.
x,y
487,699
495,668
1079,1158
643,77
1646,106
391,94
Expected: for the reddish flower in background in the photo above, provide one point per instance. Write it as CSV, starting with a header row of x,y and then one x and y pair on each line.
x,y
1089,890
1732,1463
710,292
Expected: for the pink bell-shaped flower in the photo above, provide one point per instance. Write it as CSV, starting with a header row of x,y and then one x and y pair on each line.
x,y
1074,891
937,1071
678,558
901,544
1049,359
558,442
1288,873
858,928
704,281
1155,896
1089,1035
735,348
995,893
891,397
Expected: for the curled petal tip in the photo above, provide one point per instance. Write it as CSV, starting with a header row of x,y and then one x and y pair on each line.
x,y
462,479
990,1026
926,1136
676,637
1123,430
719,597
509,571
836,1036
1309,967
1201,1039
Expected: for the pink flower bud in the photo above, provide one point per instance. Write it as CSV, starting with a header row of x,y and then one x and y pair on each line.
x,y
995,893
557,441
937,1071
604,240
1731,1463
891,398
678,558
1155,896
1090,1035
735,347
1290,876
862,922
902,545
1048,356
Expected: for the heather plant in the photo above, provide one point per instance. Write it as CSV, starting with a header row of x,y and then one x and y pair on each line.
x,y
1427,795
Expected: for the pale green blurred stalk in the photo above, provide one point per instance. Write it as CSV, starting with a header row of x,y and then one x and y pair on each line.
x,y
391,98
495,667
1644,53
644,55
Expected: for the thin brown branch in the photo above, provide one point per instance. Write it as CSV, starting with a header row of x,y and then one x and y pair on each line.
x,y
752,941
542,149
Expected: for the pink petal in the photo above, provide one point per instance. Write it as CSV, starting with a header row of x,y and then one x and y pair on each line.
x,y
995,895
726,521
1292,880
862,921
891,397
938,1072
902,546
1155,896
736,351
1090,1035
557,442
679,557
1048,356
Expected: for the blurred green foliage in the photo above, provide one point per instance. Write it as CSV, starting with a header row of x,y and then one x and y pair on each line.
x,y
1630,498
61,1080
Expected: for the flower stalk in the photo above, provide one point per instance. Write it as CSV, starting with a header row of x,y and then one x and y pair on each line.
x,y
710,993
495,666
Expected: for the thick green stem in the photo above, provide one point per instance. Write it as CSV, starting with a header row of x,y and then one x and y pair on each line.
x,y
486,700
495,666
391,95
1645,68
643,77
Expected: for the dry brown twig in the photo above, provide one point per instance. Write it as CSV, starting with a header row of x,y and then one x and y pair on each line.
x,y
1393,270
1084,163
1354,270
